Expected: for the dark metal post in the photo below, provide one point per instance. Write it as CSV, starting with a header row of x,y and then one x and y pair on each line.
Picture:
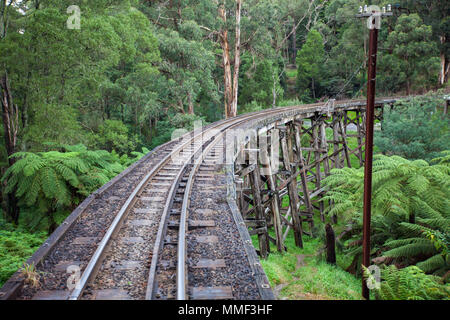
x,y
373,46
331,244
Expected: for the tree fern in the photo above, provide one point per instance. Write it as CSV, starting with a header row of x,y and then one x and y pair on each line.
x,y
410,201
127,161
410,283
54,180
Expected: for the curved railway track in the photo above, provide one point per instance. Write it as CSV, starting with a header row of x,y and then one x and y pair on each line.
x,y
178,177
152,200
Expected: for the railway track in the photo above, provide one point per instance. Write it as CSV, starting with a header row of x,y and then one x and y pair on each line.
x,y
130,241
115,255
168,201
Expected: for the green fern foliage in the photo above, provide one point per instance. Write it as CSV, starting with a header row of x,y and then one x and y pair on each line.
x,y
409,283
410,209
126,161
56,180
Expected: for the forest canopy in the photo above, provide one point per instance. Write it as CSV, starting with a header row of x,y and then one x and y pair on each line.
x,y
134,65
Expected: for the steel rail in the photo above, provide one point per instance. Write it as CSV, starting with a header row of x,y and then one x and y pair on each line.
x,y
163,223
181,252
91,269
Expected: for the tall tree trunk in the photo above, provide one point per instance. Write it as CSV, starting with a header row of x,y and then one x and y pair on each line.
x,y
52,225
412,218
3,18
443,74
294,42
231,86
237,58
223,35
274,90
107,109
190,104
150,130
10,117
313,88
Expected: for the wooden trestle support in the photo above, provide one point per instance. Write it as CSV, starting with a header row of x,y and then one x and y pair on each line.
x,y
285,197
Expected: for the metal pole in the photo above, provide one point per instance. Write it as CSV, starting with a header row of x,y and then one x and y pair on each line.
x,y
373,46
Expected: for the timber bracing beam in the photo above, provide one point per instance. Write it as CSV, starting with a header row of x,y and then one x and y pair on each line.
x,y
285,196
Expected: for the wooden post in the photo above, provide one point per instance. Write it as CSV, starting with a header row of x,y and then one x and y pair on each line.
x,y
275,201
371,76
303,178
324,146
344,143
330,244
359,138
259,209
292,189
337,162
316,160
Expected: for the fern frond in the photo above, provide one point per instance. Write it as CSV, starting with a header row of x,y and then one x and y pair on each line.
x,y
431,264
411,250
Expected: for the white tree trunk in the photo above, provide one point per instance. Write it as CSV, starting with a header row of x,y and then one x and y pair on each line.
x,y
237,58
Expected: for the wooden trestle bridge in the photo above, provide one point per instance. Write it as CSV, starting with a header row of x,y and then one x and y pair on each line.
x,y
178,223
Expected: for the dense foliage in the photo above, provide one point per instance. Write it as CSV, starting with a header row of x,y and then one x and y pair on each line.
x,y
135,63
415,129
16,246
53,181
409,283
410,216
310,66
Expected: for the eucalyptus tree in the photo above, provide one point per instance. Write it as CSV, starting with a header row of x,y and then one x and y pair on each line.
x,y
187,52
309,61
415,52
436,14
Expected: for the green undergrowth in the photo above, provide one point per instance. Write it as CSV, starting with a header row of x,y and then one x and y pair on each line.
x,y
300,274
16,246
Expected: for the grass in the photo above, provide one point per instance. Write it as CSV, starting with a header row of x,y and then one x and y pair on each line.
x,y
301,275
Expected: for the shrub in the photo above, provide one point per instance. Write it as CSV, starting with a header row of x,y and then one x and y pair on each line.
x,y
414,129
